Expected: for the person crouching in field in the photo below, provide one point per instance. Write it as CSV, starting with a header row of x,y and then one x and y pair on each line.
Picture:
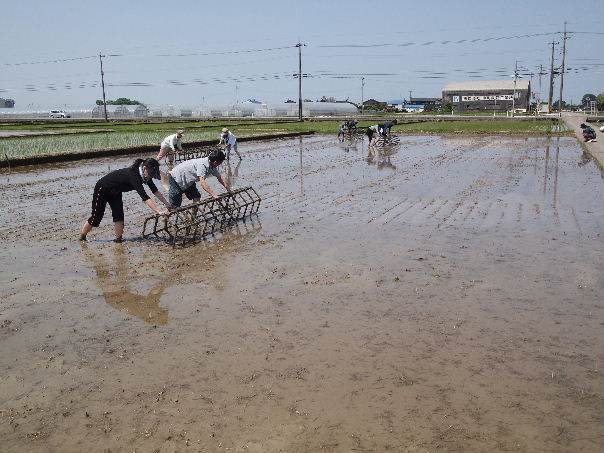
x,y
110,187
589,135
184,176
169,145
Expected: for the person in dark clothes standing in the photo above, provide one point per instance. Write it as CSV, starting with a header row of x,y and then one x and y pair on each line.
x,y
110,187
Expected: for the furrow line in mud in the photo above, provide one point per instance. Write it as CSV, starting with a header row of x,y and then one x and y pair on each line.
x,y
519,213
386,211
502,217
576,220
444,203
294,199
423,214
59,179
397,212
410,215
449,215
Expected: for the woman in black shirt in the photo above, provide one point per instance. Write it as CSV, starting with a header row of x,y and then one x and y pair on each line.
x,y
110,187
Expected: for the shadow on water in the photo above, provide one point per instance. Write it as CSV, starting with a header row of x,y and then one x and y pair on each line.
x,y
113,280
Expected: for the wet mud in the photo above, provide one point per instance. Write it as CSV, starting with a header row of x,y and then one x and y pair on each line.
x,y
445,294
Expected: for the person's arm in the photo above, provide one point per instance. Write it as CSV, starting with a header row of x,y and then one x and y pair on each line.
x,y
161,198
149,202
224,182
205,186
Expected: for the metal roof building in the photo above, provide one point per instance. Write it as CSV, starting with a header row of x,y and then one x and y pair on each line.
x,y
490,95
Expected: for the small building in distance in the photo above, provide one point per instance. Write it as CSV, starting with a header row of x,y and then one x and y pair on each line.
x,y
425,104
488,95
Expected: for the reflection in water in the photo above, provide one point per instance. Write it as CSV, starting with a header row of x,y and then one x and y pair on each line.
x,y
380,156
301,167
232,175
114,286
556,171
236,234
585,159
350,143
546,164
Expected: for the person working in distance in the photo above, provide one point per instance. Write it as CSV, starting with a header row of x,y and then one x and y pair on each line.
x,y
110,187
589,135
373,134
228,139
384,128
184,176
170,145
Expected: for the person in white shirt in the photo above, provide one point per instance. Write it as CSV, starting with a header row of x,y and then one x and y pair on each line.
x,y
184,176
169,145
228,139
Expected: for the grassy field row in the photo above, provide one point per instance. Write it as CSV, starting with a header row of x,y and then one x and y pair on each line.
x,y
130,134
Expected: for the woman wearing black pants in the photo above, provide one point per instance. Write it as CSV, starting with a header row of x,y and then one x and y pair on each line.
x,y
110,187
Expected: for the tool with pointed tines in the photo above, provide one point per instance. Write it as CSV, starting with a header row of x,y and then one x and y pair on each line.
x,y
191,223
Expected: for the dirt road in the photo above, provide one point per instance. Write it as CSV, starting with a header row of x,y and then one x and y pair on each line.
x,y
445,295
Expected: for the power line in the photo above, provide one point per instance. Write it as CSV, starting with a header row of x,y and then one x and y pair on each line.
x,y
61,60
427,43
226,52
191,54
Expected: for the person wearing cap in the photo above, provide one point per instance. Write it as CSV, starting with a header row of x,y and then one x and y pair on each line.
x,y
228,139
589,135
110,187
184,176
169,145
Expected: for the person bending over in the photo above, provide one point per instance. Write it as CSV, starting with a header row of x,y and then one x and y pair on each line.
x,y
384,128
110,187
228,139
184,176
373,134
170,145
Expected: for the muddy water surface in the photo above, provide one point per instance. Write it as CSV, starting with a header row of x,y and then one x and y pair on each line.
x,y
442,295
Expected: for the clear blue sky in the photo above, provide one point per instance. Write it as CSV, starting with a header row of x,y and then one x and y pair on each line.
x,y
172,47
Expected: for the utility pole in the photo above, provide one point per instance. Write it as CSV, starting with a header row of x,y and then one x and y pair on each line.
x,y
562,69
541,73
103,85
551,80
362,98
515,80
299,46
410,96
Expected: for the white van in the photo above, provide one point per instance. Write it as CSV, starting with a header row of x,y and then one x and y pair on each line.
x,y
59,114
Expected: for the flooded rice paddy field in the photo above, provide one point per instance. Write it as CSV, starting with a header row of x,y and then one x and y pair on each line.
x,y
444,295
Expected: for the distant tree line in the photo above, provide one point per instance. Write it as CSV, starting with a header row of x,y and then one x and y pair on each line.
x,y
120,101
588,98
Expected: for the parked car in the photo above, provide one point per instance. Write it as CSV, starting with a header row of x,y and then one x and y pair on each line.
x,y
59,114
